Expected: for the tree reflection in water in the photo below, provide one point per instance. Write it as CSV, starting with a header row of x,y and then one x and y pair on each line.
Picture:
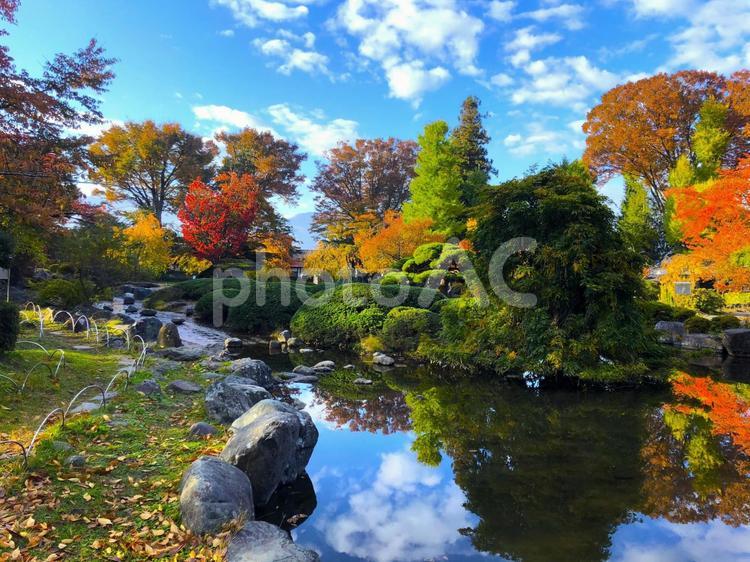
x,y
384,411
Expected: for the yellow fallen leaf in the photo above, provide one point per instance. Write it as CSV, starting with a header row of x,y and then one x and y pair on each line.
x,y
103,521
87,497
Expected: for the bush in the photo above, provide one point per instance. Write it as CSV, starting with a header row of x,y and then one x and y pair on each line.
x,y
426,253
403,327
698,325
62,293
395,278
191,290
346,314
707,301
655,311
204,308
9,326
7,247
724,322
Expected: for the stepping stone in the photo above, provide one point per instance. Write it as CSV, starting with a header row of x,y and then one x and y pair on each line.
x,y
184,387
85,407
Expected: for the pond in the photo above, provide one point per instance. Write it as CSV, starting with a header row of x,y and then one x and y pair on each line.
x,y
412,470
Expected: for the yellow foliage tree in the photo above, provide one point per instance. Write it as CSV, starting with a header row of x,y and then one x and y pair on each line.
x,y
147,246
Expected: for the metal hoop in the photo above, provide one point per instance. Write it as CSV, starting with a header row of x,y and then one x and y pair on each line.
x,y
23,450
84,389
44,422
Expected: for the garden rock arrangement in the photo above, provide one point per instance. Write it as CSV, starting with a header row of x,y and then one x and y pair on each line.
x,y
228,399
147,327
253,369
169,336
263,542
737,342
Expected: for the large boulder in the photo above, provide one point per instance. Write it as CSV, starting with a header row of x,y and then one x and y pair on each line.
x,y
139,293
191,353
259,541
147,327
169,336
212,494
128,298
324,367
702,341
272,444
737,342
670,332
253,369
382,359
228,399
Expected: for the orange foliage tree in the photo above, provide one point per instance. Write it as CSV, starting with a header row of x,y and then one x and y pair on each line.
x,y
395,241
714,222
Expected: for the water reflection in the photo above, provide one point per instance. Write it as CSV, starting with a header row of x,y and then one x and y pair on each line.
x,y
383,411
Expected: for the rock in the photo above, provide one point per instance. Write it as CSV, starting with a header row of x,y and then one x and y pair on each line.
x,y
178,320
86,407
108,308
309,379
228,399
149,387
362,381
202,429
284,336
138,292
272,444
253,369
174,306
184,387
292,342
259,541
303,370
274,346
306,350
148,312
128,298
83,347
76,461
324,367
148,328
349,367
131,309
184,353
382,359
210,364
189,310
737,342
233,344
62,446
670,332
702,341
169,336
211,376
41,274
164,366
212,494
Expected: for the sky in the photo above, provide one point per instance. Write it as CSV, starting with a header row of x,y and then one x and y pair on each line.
x,y
320,71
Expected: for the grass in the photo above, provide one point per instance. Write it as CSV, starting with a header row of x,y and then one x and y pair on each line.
x,y
124,504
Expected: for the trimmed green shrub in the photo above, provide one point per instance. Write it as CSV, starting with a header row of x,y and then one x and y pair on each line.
x,y
62,293
426,253
409,266
395,278
204,308
191,290
655,311
403,327
9,326
344,315
724,322
707,301
698,325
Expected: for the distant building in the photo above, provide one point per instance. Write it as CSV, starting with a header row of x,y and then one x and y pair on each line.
x,y
298,263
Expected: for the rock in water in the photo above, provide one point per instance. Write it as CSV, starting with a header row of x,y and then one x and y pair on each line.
x,y
303,370
258,541
272,444
324,367
214,493
253,369
128,298
148,328
382,359
169,336
228,399
233,344
670,332
737,342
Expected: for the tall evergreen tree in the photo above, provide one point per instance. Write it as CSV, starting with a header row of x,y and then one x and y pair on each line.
x,y
469,142
636,218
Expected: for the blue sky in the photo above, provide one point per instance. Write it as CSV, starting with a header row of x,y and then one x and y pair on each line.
x,y
319,71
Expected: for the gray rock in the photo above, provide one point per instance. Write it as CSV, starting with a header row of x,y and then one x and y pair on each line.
x,y
303,370
62,446
178,320
138,292
148,312
128,298
184,353
131,308
670,332
86,407
737,342
149,387
324,367
274,346
253,369
272,444
259,541
184,387
309,379
212,376
169,336
210,364
306,350
212,494
202,429
189,310
349,367
163,366
232,344
227,399
702,341
382,359
108,308
76,461
284,336
362,381
148,328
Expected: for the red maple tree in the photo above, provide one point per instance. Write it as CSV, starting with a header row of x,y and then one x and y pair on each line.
x,y
216,220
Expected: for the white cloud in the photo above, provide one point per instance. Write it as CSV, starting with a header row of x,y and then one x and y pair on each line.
x,y
501,10
408,36
570,15
250,12
311,131
661,7
501,80
227,32
526,40
537,140
223,115
293,58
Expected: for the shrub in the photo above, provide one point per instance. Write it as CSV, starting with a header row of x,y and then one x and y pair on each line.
x,y
707,301
204,308
395,278
9,326
346,314
426,253
655,311
7,247
192,290
403,327
698,325
724,322
62,293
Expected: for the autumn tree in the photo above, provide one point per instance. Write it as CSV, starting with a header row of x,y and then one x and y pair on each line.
x,y
636,221
148,164
368,177
469,142
40,152
146,248
642,128
216,220
395,241
436,187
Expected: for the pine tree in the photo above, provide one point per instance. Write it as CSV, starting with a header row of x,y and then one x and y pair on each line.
x,y
636,218
469,141
436,187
